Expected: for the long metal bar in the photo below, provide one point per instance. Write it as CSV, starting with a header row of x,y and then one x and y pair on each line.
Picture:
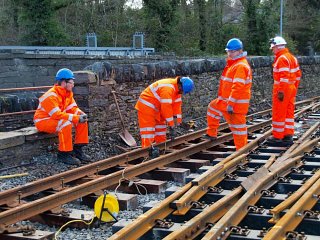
x,y
295,215
293,198
4,90
28,210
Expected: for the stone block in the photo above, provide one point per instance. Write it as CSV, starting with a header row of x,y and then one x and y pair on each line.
x,y
11,139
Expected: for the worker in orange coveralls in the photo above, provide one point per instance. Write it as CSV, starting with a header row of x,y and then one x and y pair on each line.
x,y
158,105
57,113
233,95
286,75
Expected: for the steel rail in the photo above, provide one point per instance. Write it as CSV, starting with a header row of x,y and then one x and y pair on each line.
x,y
12,195
146,221
293,198
240,209
236,211
295,215
30,209
4,90
164,208
215,175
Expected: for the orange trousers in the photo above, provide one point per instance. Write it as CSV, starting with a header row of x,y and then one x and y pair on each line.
x,y
283,113
236,121
152,129
64,130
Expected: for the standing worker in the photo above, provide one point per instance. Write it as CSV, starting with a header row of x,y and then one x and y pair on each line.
x,y
233,95
158,105
286,75
57,112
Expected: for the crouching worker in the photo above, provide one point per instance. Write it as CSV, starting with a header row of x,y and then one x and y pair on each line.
x,y
57,113
158,106
233,95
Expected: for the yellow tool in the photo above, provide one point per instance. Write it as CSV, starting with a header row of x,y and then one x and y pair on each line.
x,y
109,210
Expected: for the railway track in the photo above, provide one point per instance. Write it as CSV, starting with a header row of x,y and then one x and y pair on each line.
x,y
68,186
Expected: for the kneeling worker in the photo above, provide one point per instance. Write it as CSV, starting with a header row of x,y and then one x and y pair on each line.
x,y
57,112
158,105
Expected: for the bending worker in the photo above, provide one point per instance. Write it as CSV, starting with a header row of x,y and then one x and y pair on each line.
x,y
57,113
233,95
286,75
158,105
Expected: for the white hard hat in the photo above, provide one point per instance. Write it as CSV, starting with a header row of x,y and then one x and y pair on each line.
x,y
277,41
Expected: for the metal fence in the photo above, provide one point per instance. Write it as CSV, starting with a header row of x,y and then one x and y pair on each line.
x,y
80,51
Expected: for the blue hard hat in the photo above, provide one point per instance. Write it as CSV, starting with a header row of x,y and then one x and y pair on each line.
x,y
64,74
234,44
187,85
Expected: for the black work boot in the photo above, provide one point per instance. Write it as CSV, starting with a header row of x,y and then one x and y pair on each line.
x,y
67,158
208,137
78,153
154,152
288,138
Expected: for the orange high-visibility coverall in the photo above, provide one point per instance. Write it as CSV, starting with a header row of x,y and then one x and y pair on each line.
x,y
57,111
157,107
234,90
286,75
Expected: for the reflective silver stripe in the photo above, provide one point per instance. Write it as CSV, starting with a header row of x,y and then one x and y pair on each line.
x,y
77,112
215,110
238,100
46,96
169,119
278,129
298,78
160,133
147,135
166,100
242,80
239,132
178,100
64,125
161,126
148,104
71,106
213,116
54,110
147,129
238,125
222,98
154,89
179,116
289,127
290,120
223,78
70,117
285,69
284,80
295,69
59,125
276,82
40,119
278,123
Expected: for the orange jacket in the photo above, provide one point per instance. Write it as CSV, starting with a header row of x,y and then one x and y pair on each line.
x,y
162,98
235,84
57,103
286,70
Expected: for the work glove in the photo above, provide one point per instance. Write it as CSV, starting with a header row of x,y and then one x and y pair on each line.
x,y
280,96
83,118
172,132
230,109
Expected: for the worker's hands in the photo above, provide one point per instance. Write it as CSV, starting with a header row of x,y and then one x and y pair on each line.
x,y
172,132
280,96
83,118
230,109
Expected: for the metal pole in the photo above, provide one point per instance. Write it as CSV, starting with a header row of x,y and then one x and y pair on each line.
x,y
281,13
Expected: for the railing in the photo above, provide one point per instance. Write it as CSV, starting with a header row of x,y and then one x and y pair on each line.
x,y
80,51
